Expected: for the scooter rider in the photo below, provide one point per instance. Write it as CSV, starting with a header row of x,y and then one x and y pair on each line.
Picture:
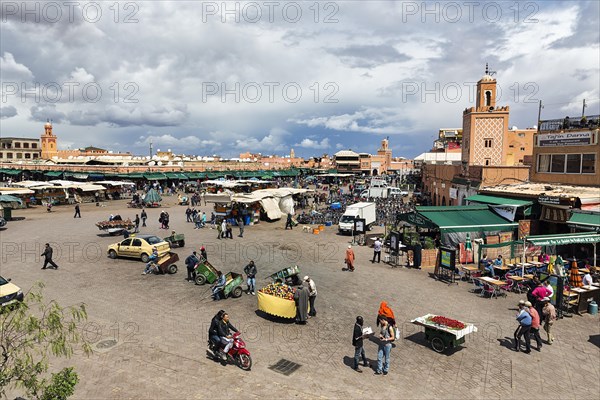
x,y
213,332
224,329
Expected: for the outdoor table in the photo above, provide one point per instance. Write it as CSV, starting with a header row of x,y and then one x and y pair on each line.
x,y
469,271
586,294
495,283
537,263
503,269
517,278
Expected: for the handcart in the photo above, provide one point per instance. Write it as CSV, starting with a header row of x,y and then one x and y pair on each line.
x,y
442,337
176,240
166,263
205,272
288,275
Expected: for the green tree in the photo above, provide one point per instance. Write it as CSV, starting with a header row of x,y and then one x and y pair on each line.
x,y
30,333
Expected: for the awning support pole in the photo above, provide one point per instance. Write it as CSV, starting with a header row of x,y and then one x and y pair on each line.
x,y
523,260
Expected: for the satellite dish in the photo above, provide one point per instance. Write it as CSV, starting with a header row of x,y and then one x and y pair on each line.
x,y
159,163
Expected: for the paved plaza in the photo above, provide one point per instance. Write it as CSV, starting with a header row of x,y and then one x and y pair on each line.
x,y
150,332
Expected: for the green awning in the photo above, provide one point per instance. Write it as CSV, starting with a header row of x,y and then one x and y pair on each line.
x,y
501,201
6,198
586,220
132,176
565,238
176,175
452,219
155,176
195,175
54,173
11,171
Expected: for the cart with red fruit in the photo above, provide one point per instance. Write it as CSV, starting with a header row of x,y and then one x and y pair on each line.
x,y
444,333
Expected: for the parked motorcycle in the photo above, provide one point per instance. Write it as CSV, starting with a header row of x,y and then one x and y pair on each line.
x,y
238,354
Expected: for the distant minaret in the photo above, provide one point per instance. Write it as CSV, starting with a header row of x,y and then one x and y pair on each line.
x,y
292,154
48,142
150,148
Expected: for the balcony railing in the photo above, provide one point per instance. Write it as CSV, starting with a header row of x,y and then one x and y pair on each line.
x,y
570,123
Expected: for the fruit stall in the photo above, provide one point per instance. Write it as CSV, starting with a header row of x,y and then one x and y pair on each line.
x,y
444,333
278,300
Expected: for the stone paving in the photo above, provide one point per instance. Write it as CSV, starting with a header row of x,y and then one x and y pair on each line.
x,y
150,332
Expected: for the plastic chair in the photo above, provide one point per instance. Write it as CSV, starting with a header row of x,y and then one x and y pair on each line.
x,y
490,290
478,287
509,285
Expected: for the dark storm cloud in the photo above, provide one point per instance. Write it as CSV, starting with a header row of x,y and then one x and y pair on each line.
x,y
369,56
7,112
42,113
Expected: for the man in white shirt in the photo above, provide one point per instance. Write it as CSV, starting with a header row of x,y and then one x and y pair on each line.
x,y
587,279
377,250
312,295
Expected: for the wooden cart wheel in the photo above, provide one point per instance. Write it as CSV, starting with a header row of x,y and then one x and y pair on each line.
x,y
437,344
172,269
181,243
237,292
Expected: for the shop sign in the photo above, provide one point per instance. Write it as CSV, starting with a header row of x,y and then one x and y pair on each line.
x,y
565,139
549,199
453,193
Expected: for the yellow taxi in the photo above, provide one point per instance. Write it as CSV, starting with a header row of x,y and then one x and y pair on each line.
x,y
138,246
9,293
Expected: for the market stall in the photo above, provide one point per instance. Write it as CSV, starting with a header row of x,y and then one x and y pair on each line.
x,y
278,300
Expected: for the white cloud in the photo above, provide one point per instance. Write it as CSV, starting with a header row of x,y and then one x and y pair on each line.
x,y
314,144
187,142
12,70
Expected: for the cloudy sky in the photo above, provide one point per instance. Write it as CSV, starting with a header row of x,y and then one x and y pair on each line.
x,y
208,78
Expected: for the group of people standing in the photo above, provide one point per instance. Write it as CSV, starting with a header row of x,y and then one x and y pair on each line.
x,y
529,320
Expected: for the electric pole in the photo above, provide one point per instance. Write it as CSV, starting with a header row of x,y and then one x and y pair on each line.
x,y
583,110
539,115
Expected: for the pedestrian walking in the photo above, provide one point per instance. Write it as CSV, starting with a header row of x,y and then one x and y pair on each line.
x,y
357,342
524,329
203,253
228,230
136,221
188,215
535,325
48,257
312,296
288,221
190,263
349,260
386,337
240,222
219,231
144,217
223,228
377,250
250,271
549,315
77,211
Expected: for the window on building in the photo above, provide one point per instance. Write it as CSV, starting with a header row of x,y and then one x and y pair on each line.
x,y
25,145
34,145
9,155
27,155
573,163
488,143
488,98
19,155
558,163
511,146
588,164
35,156
17,145
522,148
521,135
488,161
1,155
543,164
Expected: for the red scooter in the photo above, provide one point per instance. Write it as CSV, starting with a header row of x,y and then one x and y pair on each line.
x,y
238,354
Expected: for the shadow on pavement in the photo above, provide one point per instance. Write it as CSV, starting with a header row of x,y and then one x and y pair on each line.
x,y
272,318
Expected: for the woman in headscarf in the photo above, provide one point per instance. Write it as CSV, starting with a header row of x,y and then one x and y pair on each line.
x,y
575,278
386,311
